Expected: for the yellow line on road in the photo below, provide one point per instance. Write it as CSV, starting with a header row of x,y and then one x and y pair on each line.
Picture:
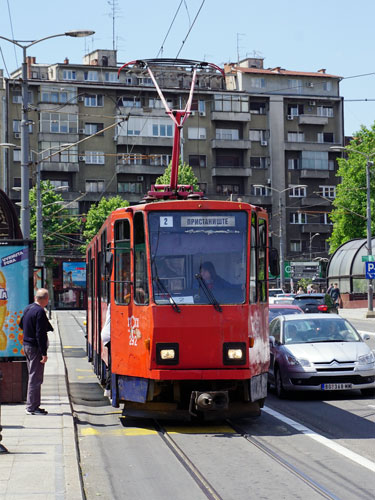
x,y
130,431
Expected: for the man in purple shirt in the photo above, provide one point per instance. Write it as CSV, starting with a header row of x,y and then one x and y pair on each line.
x,y
35,326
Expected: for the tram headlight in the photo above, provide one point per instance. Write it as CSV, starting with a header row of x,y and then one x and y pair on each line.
x,y
234,353
167,353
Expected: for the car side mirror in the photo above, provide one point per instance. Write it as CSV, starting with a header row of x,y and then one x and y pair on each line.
x,y
272,340
366,336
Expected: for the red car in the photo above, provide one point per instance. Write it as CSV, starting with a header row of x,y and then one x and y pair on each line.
x,y
282,309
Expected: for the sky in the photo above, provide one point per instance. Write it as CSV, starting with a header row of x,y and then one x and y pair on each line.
x,y
294,34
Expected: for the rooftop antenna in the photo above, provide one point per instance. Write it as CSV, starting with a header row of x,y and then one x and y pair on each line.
x,y
114,12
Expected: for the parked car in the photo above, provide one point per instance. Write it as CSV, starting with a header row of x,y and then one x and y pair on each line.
x,y
317,352
315,303
284,298
273,292
282,309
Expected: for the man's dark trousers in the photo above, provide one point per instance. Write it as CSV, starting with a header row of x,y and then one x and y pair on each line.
x,y
36,371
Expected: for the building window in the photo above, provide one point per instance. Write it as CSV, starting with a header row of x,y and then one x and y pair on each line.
x,y
297,218
295,246
111,76
196,133
257,108
327,86
157,104
228,102
297,192
260,191
16,155
197,160
295,85
95,157
160,160
59,123
59,183
94,186
51,151
325,137
130,102
258,135
325,111
130,187
93,101
69,74
93,128
17,127
145,81
227,134
17,182
234,160
227,189
325,219
199,105
314,160
258,162
328,191
293,164
57,95
296,137
162,130
90,76
258,83
295,109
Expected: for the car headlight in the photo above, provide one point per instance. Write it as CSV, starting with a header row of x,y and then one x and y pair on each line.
x,y
295,362
366,359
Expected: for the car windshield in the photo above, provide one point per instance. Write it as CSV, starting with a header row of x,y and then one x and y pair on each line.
x,y
319,330
198,257
281,311
304,300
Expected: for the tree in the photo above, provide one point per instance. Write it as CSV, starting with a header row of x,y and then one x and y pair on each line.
x,y
59,226
186,176
98,214
349,212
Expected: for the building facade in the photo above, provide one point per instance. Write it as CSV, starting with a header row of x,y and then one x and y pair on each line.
x,y
263,136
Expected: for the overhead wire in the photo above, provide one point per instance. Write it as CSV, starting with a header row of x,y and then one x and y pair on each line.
x,y
11,27
191,27
169,29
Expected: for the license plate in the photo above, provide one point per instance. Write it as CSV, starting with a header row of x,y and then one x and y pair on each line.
x,y
336,387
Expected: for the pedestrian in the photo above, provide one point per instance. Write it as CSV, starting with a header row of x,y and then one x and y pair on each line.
x,y
329,289
335,295
35,326
300,290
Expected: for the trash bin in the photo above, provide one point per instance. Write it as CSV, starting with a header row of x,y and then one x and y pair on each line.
x,y
2,447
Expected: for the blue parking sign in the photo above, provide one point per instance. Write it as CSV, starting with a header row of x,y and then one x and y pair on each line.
x,y
370,270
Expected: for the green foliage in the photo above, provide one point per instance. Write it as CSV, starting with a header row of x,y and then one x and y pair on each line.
x,y
304,282
185,176
59,227
98,214
349,212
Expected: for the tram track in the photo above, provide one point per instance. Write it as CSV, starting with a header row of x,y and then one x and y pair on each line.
x,y
208,489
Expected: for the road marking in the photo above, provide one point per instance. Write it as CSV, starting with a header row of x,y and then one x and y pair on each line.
x,y
80,377
129,431
323,440
82,370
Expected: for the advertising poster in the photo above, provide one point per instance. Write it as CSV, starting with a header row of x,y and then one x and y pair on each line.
x,y
14,297
74,275
38,279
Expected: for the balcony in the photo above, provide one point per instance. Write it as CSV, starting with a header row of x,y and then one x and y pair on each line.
x,y
230,144
231,171
140,169
233,116
315,174
316,228
312,120
137,140
309,146
54,166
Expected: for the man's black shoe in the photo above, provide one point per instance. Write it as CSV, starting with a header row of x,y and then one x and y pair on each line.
x,y
38,411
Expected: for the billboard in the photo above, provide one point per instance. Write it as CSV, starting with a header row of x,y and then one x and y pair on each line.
x,y
14,296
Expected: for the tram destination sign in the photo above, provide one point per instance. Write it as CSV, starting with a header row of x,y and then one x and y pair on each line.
x,y
208,221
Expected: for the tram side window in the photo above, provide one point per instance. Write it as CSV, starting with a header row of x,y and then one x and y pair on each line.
x,y
141,295
122,262
253,259
104,281
88,275
262,256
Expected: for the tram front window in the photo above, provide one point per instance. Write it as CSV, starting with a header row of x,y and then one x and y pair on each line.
x,y
197,258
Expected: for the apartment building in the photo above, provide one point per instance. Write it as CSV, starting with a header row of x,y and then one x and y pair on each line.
x,y
254,137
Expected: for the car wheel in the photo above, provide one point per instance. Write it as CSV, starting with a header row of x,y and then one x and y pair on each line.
x,y
368,392
280,391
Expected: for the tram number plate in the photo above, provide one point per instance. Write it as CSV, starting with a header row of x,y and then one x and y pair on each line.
x,y
336,387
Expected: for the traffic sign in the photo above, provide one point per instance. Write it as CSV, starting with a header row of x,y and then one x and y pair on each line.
x,y
370,270
368,258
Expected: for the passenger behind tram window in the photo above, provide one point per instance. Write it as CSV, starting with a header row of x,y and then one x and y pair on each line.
x,y
212,279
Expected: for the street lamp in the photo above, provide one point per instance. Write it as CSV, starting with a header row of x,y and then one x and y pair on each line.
x,y
24,45
311,238
281,240
369,163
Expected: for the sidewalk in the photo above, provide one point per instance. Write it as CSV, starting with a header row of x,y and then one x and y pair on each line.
x,y
42,462
356,314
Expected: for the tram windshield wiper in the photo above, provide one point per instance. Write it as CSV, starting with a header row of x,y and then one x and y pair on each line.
x,y
208,292
163,289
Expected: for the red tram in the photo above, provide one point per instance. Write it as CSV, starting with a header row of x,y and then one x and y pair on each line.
x,y
187,285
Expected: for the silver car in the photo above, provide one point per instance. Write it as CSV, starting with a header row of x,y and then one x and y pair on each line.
x,y
319,352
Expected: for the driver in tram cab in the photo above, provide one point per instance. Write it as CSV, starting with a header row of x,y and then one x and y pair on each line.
x,y
212,279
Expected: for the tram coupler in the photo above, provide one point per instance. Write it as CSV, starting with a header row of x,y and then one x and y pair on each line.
x,y
207,401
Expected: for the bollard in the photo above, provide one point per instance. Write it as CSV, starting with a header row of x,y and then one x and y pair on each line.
x,y
2,447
